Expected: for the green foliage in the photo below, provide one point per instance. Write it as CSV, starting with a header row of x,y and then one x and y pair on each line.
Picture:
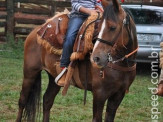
x,y
12,49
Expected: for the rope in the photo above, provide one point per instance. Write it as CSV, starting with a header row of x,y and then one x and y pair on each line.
x,y
128,55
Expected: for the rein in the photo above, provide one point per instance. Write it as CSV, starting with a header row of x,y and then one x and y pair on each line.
x,y
86,61
98,17
124,57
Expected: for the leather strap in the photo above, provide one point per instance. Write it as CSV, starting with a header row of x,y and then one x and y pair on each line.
x,y
57,25
76,78
128,55
121,68
112,42
105,42
86,79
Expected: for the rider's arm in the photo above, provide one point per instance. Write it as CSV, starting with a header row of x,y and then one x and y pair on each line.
x,y
78,7
86,10
98,5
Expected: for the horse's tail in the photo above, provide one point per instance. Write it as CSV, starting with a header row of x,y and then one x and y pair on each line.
x,y
33,103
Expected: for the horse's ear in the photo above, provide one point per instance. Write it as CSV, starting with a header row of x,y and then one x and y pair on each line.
x,y
116,5
105,3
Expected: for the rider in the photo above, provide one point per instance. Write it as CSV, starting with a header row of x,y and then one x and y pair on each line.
x,y
81,9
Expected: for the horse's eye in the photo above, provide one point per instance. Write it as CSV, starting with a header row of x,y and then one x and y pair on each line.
x,y
112,28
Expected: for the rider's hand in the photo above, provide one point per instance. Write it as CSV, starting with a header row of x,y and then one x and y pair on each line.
x,y
99,9
92,12
88,11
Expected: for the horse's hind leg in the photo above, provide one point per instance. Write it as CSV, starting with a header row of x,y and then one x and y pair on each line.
x,y
48,99
112,106
28,81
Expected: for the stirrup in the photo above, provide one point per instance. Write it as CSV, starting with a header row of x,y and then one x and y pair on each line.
x,y
60,75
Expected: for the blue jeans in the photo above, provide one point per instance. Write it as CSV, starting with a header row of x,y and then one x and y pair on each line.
x,y
75,22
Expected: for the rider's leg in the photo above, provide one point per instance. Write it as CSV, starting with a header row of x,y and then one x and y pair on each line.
x,y
74,25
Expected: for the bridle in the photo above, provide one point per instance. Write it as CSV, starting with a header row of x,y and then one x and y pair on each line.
x,y
110,43
126,22
112,63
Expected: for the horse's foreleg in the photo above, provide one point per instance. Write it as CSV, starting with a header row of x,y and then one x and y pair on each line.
x,y
112,106
98,105
48,99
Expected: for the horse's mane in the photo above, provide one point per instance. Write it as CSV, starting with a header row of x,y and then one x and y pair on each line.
x,y
110,13
129,12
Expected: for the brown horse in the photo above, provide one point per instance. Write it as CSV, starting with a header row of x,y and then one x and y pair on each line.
x,y
113,56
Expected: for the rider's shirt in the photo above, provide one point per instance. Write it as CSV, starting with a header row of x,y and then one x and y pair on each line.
x,y
76,4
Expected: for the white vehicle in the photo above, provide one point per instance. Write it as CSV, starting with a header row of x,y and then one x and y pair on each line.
x,y
149,25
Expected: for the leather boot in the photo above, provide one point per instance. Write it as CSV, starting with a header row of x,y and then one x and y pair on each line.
x,y
60,79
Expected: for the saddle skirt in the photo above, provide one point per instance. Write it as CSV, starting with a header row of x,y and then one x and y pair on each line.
x,y
51,35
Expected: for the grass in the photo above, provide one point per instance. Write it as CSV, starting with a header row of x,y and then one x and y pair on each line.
x,y
135,107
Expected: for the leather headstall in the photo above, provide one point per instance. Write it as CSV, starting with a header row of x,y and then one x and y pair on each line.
x,y
112,64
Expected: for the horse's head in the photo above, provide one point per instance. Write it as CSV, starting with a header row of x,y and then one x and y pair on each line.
x,y
114,35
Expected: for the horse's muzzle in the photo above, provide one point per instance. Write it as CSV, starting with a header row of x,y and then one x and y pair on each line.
x,y
96,60
99,60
